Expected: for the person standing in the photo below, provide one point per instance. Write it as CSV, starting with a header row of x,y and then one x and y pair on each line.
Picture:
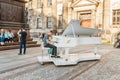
x,y
19,34
2,37
6,36
11,35
23,35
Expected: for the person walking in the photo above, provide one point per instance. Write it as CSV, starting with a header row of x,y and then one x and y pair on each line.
x,y
23,35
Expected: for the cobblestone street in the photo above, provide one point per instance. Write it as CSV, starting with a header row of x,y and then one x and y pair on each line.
x,y
27,67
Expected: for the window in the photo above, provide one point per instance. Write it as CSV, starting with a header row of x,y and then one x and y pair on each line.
x,y
49,2
116,17
49,22
30,3
39,3
60,24
39,23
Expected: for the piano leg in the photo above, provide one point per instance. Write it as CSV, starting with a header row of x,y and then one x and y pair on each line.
x,y
61,51
66,53
95,50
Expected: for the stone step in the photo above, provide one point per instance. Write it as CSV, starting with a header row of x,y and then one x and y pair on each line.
x,y
17,46
12,25
29,39
17,43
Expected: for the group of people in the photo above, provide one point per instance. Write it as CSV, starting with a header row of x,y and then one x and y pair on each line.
x,y
6,36
47,39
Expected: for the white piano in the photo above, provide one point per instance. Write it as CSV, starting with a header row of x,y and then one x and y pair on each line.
x,y
74,35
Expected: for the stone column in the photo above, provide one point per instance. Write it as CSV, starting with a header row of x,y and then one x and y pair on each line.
x,y
69,12
74,14
65,13
93,18
106,15
54,14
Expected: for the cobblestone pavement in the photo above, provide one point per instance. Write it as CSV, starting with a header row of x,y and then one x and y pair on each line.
x,y
107,69
26,67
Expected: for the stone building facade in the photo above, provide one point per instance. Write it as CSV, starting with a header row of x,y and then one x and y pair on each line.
x,y
44,15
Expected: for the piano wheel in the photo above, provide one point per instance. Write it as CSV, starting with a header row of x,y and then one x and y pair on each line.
x,y
66,59
42,63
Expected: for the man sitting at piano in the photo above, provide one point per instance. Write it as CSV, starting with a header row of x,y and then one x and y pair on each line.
x,y
47,40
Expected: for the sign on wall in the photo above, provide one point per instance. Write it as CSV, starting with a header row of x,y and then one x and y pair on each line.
x,y
59,9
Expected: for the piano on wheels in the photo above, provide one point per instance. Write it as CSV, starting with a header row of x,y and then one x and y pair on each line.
x,y
74,35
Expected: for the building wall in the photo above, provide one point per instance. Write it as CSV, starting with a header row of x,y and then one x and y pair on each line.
x,y
96,13
12,15
65,9
11,11
49,15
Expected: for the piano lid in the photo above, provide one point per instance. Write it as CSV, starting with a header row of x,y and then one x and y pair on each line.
x,y
74,29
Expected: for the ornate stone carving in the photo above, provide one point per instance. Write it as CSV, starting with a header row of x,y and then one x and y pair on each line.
x,y
10,12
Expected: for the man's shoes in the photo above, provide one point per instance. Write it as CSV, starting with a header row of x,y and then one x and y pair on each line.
x,y
57,56
24,53
19,54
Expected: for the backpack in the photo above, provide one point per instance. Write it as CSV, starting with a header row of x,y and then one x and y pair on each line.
x,y
50,51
